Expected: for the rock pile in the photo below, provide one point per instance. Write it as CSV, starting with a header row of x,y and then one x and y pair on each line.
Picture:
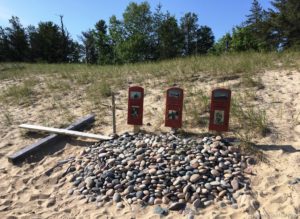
x,y
154,169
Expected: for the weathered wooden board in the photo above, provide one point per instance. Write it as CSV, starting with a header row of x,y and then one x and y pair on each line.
x,y
64,132
30,149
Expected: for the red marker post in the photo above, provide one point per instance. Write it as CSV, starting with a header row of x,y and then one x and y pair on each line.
x,y
174,107
135,106
219,110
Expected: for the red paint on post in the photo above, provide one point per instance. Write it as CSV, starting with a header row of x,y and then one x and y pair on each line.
x,y
174,107
135,105
219,110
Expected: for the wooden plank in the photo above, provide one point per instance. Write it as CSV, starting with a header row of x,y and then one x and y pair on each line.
x,y
64,132
30,149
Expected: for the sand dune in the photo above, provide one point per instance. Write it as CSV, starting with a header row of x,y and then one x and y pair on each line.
x,y
26,192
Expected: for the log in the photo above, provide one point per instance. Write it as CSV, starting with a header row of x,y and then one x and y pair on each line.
x,y
64,132
51,139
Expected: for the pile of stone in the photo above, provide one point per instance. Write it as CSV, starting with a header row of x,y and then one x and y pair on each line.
x,y
166,169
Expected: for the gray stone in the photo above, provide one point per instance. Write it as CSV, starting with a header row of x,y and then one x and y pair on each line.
x,y
161,211
117,197
177,206
197,204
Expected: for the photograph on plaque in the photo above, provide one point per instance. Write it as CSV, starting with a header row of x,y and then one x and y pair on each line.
x,y
174,93
221,94
134,95
219,117
134,111
173,114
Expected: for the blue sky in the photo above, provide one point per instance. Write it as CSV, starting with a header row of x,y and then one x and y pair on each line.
x,y
80,15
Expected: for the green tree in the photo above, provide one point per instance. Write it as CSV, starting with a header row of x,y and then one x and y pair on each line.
x,y
17,40
170,38
103,43
137,21
90,50
285,22
205,40
257,24
4,46
48,42
117,38
189,27
222,45
243,40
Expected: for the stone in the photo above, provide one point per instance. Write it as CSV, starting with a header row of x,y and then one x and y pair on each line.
x,y
147,169
117,197
194,163
187,188
161,211
50,202
235,184
152,171
177,206
165,200
197,204
160,150
157,201
139,194
194,178
110,192
255,204
207,203
89,182
120,205
151,201
215,172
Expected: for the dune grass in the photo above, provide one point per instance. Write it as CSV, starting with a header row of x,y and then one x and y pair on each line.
x,y
95,83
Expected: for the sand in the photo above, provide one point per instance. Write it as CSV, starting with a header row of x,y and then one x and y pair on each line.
x,y
25,190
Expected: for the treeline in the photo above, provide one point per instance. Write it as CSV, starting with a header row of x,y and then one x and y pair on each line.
x,y
265,30
145,35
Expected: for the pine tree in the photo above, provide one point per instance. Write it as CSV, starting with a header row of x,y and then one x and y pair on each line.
x,y
285,20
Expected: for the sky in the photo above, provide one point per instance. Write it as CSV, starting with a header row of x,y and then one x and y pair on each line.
x,y
81,15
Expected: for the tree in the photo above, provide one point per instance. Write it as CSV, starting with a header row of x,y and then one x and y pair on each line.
x,y
285,20
170,38
103,43
137,21
89,43
222,45
117,37
205,40
17,40
48,39
4,46
189,28
243,40
257,24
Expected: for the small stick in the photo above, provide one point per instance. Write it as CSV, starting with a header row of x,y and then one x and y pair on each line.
x,y
113,112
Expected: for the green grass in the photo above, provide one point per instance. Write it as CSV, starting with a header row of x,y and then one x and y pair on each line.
x,y
19,94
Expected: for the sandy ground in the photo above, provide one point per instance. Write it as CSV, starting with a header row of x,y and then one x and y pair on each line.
x,y
25,190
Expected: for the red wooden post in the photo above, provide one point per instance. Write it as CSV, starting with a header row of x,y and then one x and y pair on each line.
x,y
135,105
174,107
219,110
